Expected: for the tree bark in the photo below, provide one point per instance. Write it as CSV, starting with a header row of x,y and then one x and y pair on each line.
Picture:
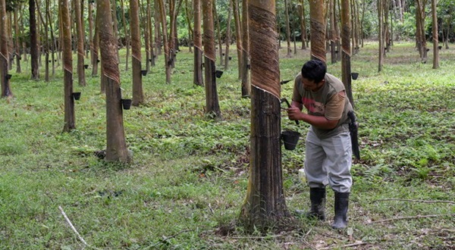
x,y
93,41
80,44
116,150
435,34
4,56
346,48
228,37
167,53
332,34
265,204
380,34
158,22
301,9
212,104
318,29
127,35
17,40
218,34
34,53
138,94
198,79
70,118
288,28
246,88
238,35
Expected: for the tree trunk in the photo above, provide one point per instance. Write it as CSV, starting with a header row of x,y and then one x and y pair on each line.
x,y
332,34
218,34
116,150
435,35
301,9
52,42
380,34
228,37
198,79
288,28
138,95
45,43
318,26
146,24
265,204
245,52
167,55
80,44
212,104
17,41
4,57
67,58
346,48
34,53
238,35
158,22
422,42
151,59
127,35
189,17
93,41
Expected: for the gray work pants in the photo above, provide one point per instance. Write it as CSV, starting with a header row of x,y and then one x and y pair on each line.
x,y
328,161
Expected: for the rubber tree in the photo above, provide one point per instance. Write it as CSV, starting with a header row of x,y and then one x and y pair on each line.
x,y
381,35
346,48
238,35
228,37
80,43
288,28
317,29
420,29
301,10
197,41
67,59
167,53
265,204
245,51
138,94
212,108
17,40
332,34
45,42
34,45
116,150
126,33
94,41
434,14
4,56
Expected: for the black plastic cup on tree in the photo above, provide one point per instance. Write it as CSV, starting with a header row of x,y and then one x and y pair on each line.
x,y
290,139
126,103
354,75
144,72
218,73
76,95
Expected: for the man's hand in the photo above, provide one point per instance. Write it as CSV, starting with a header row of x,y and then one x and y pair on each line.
x,y
294,113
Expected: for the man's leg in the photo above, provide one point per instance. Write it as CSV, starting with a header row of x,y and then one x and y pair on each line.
x,y
339,160
316,175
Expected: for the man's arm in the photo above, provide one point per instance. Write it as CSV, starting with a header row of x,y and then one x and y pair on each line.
x,y
295,113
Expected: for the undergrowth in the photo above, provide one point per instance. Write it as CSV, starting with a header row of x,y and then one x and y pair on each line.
x,y
188,179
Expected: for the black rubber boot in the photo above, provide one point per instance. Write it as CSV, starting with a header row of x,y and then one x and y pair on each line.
x,y
341,210
317,198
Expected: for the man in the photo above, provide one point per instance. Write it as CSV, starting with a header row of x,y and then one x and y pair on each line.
x,y
328,143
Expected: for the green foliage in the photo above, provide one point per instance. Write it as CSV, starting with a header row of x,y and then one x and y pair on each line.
x,y
189,176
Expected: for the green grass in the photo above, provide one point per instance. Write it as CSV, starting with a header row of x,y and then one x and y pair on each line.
x,y
189,174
